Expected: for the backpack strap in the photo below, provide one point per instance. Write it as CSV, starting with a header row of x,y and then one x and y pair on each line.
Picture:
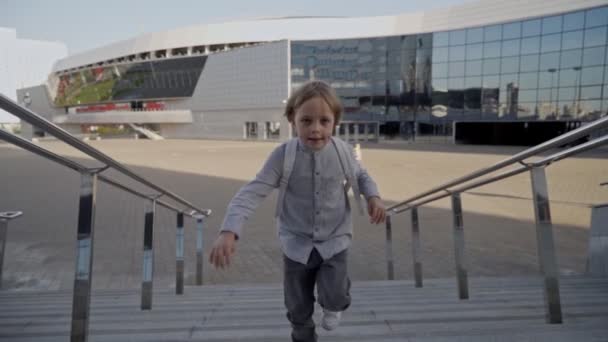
x,y
288,162
347,161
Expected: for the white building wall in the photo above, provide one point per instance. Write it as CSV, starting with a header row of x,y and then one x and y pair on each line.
x,y
8,39
235,87
25,63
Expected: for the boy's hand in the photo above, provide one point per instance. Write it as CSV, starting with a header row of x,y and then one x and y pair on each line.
x,y
223,249
376,210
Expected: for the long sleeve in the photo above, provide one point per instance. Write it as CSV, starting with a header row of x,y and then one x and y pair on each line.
x,y
247,199
367,186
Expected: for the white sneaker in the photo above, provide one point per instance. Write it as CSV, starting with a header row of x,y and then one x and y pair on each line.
x,y
330,319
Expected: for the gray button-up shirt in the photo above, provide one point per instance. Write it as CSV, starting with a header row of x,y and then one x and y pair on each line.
x,y
316,212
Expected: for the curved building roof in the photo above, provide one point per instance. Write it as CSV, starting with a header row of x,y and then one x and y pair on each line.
x,y
471,14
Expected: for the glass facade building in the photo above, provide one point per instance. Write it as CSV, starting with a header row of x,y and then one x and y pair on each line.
x,y
550,68
489,72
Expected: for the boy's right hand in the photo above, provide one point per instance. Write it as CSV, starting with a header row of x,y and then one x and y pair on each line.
x,y
223,249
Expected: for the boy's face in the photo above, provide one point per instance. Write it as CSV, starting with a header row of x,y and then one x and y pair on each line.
x,y
314,123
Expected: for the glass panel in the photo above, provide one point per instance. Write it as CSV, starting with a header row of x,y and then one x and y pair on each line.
x,y
491,33
590,93
440,54
440,84
457,53
547,95
548,110
574,21
456,69
595,36
549,60
473,68
571,58
527,95
491,66
509,85
491,50
512,30
531,28
572,40
489,102
551,42
547,78
472,82
597,17
440,94
552,24
592,75
472,98
456,93
441,39
565,94
490,81
526,110
510,47
528,80
474,51
529,63
568,77
530,45
424,41
589,110
509,65
594,56
475,35
457,37
509,96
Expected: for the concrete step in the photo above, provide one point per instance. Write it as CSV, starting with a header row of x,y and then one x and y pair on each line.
x,y
499,309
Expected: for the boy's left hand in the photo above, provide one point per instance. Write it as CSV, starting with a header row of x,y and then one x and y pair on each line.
x,y
376,210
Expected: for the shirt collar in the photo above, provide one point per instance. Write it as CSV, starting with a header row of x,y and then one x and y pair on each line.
x,y
309,150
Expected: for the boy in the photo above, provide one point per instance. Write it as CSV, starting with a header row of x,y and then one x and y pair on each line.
x,y
313,172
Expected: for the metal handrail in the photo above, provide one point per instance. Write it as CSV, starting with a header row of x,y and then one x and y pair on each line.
x,y
540,197
555,142
31,147
546,161
86,215
61,134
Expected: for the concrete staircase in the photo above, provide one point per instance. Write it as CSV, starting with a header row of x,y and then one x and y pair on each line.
x,y
146,132
499,309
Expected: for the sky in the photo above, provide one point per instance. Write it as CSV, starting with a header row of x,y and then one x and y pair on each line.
x,y
85,24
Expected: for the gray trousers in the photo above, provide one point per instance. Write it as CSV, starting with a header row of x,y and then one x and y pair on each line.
x,y
333,289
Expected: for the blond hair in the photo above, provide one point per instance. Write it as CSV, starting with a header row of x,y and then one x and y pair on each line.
x,y
312,89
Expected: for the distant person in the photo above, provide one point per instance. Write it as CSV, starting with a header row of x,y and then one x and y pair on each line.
x,y
313,173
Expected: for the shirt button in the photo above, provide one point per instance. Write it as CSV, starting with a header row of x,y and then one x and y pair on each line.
x,y
317,173
318,212
317,192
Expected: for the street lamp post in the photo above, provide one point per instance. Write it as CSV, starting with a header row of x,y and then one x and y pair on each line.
x,y
577,87
552,71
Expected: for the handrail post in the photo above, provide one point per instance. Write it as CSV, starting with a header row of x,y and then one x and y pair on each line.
x,y
84,258
416,248
461,271
389,249
179,254
148,262
545,245
5,217
199,248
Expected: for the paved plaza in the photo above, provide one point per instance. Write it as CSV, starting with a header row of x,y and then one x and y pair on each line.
x,y
499,218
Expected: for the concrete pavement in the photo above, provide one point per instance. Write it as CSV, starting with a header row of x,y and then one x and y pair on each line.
x,y
499,221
